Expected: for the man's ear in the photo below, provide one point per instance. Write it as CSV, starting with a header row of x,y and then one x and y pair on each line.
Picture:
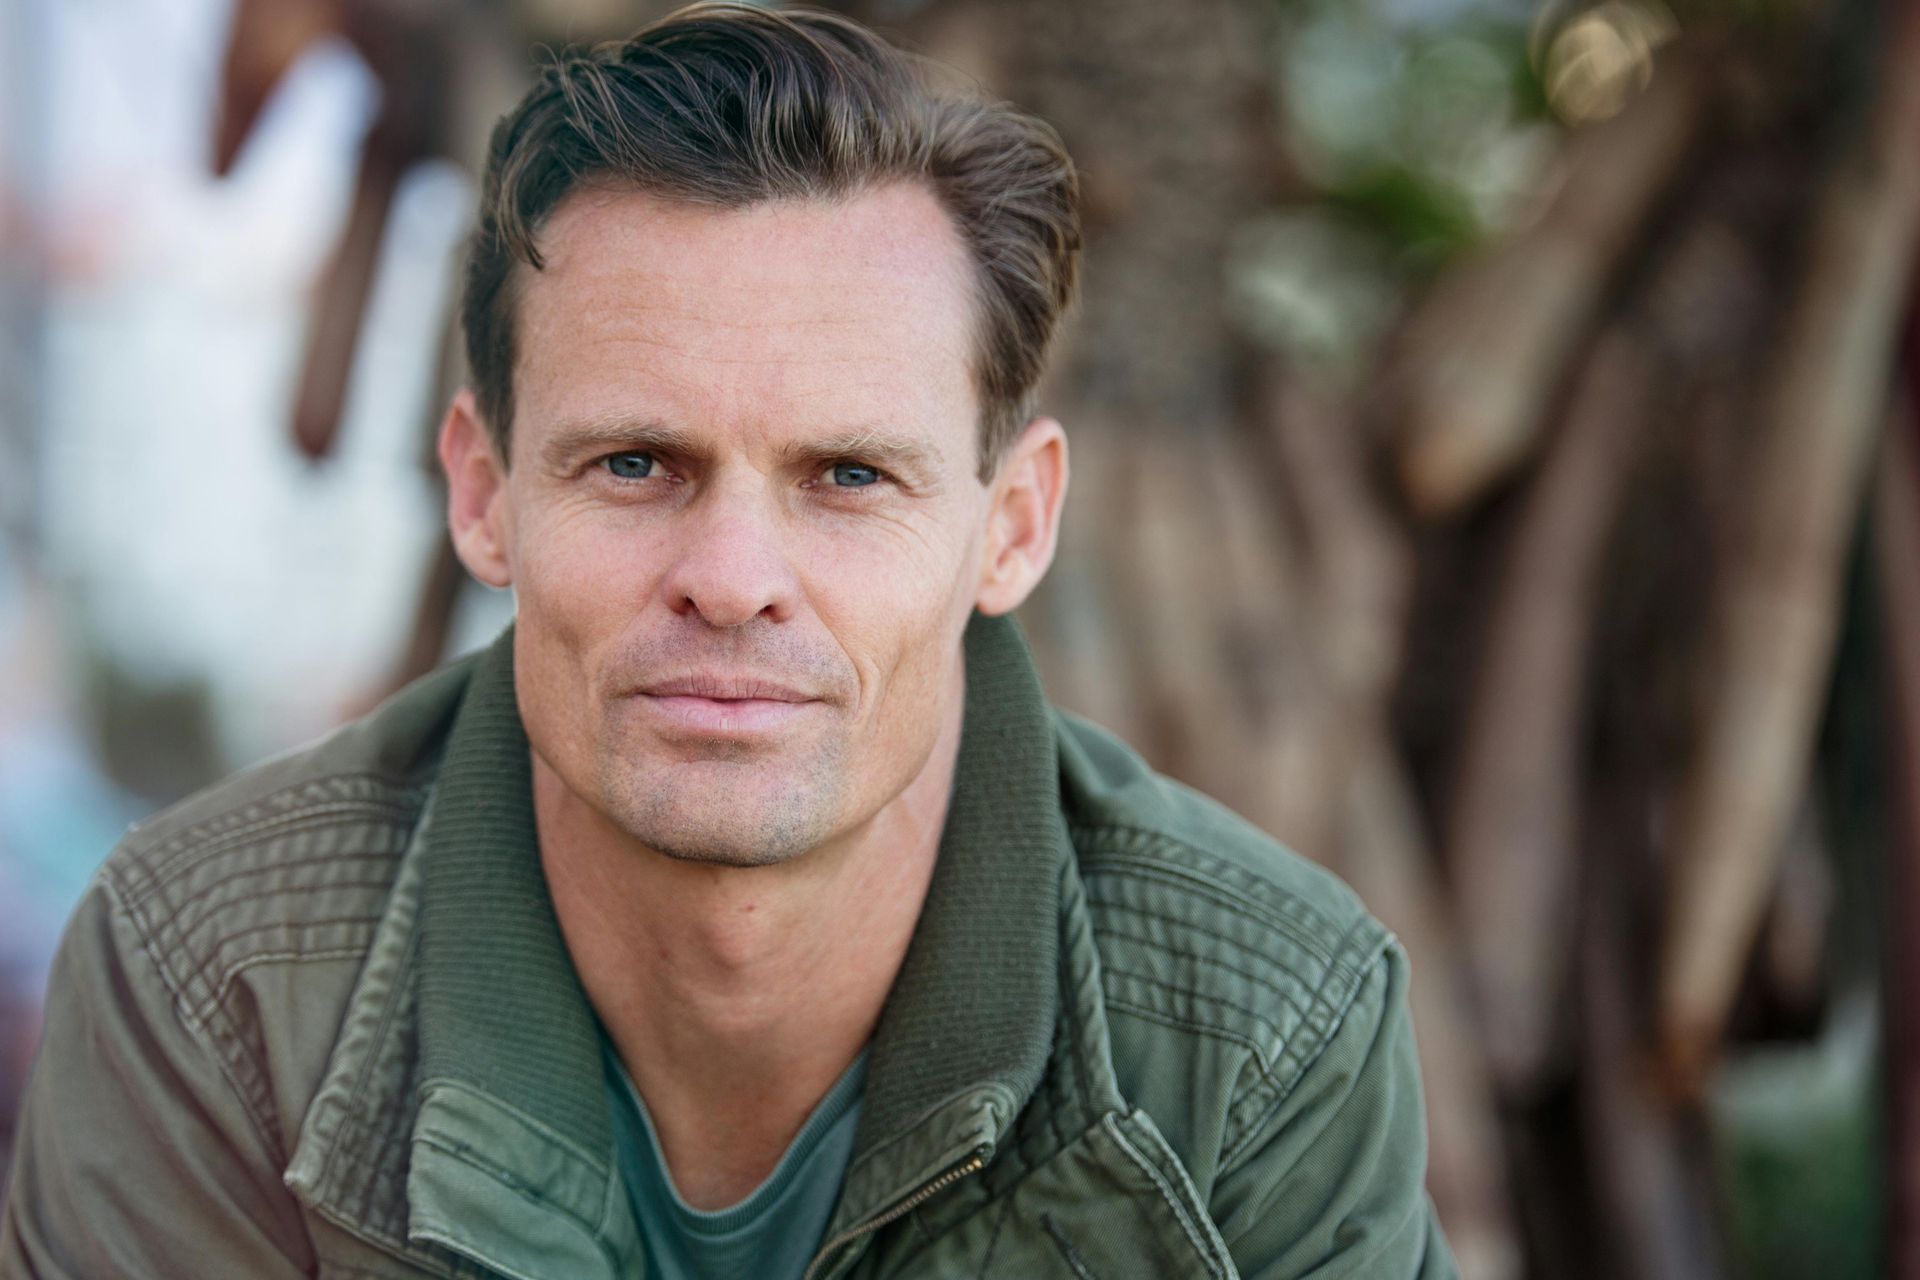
x,y
476,492
1023,524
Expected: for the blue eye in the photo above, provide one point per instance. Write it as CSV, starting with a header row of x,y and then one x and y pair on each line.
x,y
630,466
852,475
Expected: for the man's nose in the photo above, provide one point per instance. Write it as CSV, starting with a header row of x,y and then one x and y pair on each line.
x,y
732,564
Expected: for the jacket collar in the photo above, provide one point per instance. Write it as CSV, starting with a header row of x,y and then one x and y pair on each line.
x,y
468,1069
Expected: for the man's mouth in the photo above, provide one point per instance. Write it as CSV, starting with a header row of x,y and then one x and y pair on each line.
x,y
726,703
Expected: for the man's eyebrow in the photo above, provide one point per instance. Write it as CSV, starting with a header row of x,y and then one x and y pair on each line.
x,y
570,441
870,444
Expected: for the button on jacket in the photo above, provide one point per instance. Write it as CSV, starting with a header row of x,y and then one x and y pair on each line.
x,y
320,1021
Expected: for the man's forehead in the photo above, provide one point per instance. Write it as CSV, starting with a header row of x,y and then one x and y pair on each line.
x,y
840,316
894,239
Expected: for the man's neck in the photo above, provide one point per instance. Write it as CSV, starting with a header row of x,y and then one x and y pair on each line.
x,y
737,996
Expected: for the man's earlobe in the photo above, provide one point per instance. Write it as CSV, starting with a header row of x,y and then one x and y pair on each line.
x,y
1023,526
476,492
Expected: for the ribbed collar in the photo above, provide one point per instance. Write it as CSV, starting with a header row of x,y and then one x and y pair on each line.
x,y
962,1041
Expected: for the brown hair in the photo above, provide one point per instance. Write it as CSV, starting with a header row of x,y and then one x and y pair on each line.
x,y
731,105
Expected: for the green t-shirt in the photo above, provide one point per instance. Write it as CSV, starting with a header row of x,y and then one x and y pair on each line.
x,y
770,1235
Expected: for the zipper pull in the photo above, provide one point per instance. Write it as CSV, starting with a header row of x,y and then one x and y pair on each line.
x,y
971,1165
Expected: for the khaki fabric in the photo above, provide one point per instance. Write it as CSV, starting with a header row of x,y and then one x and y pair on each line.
x,y
320,1021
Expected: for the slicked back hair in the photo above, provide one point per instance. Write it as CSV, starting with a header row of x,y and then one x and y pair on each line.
x,y
731,105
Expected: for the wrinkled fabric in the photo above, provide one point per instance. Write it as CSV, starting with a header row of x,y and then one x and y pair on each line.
x,y
319,1021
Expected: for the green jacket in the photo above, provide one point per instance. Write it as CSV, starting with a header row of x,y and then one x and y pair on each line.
x,y
320,1020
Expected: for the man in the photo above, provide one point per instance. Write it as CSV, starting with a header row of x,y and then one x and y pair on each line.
x,y
745,910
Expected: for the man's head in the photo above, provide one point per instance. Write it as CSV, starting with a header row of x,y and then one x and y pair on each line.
x,y
728,106
755,316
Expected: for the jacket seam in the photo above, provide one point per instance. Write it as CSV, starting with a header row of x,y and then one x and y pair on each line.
x,y
394,998
181,926
467,1155
254,833
1269,1072
445,1084
1269,915
1290,999
217,1001
1272,1081
1278,1034
1180,1211
1231,1153
1143,840
1308,976
229,1069
401,1251
1166,1019
213,961
401,801
1073,908
1326,1026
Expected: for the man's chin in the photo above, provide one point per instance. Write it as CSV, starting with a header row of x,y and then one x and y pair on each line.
x,y
715,816
765,846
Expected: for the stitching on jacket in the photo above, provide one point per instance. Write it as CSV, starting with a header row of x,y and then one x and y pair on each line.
x,y
396,996
180,924
228,1069
1279,1037
182,942
1268,1063
331,790
1289,908
215,845
1272,1084
1166,1019
993,1240
1231,1153
233,1039
1074,910
1224,898
1286,997
1113,906
215,957
592,1160
219,832
1075,1263
1331,1001
1200,1246
473,1159
218,1000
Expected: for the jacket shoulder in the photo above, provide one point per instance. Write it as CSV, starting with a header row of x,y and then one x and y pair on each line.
x,y
286,860
1128,819
1228,960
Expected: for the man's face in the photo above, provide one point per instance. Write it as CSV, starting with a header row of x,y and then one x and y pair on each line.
x,y
742,513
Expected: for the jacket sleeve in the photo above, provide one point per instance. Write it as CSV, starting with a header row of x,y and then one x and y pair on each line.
x,y
1332,1182
135,1155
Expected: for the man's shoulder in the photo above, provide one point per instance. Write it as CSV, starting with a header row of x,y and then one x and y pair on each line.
x,y
1220,948
1129,821
289,859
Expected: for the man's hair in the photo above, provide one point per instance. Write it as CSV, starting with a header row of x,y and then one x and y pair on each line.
x,y
731,105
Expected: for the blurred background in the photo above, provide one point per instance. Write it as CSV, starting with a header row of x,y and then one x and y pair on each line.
x,y
1495,474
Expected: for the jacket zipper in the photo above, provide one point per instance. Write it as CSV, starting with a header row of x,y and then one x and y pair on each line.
x,y
971,1165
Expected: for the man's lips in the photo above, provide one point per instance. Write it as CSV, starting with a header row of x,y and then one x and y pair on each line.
x,y
724,687
725,703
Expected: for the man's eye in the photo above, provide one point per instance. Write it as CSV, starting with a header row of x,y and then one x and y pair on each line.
x,y
853,475
630,466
